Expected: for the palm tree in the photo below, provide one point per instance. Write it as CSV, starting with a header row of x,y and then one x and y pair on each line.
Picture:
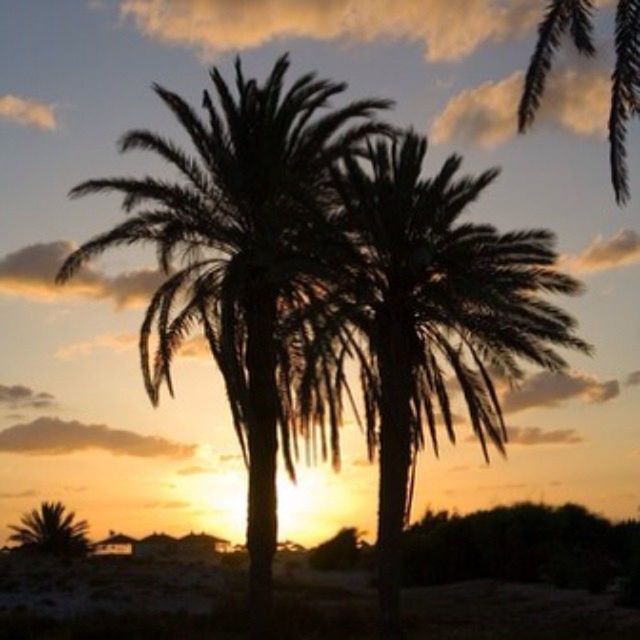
x,y
576,18
245,239
440,303
52,531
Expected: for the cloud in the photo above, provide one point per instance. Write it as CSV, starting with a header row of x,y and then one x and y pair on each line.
x,y
196,470
576,99
532,436
52,436
30,493
167,504
620,249
27,112
195,347
529,436
230,458
633,379
14,416
447,29
117,342
551,389
18,396
30,272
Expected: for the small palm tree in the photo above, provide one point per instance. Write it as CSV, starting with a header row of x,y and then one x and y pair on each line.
x,y
576,18
436,300
52,530
245,238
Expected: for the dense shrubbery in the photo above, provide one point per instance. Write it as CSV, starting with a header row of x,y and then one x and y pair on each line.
x,y
630,594
339,553
567,546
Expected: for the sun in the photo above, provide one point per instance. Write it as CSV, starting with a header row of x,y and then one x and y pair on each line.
x,y
309,510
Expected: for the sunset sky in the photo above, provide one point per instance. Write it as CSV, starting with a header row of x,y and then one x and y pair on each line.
x,y
75,423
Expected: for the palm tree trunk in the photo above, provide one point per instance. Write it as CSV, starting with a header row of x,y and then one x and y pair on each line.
x,y
395,458
263,446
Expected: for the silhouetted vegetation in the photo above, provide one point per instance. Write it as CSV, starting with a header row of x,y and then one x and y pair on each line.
x,y
245,237
437,300
630,593
294,240
51,530
567,546
575,18
339,553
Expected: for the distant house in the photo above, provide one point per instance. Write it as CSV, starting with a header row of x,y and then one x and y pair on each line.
x,y
160,546
200,546
157,545
117,544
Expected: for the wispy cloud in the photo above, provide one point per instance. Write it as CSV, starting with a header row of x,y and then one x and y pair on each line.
x,y
548,389
576,100
196,470
52,436
620,249
116,342
29,493
27,112
30,272
447,30
633,379
531,436
167,504
19,396
194,347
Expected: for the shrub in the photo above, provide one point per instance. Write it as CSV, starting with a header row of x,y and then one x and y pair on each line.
x,y
526,542
337,554
630,593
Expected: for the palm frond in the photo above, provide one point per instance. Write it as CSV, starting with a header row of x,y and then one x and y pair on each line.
x,y
560,16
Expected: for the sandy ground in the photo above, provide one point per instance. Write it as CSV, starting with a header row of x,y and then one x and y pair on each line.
x,y
112,585
475,610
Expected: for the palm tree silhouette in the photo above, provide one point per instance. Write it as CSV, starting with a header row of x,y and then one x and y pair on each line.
x,y
441,304
576,18
245,239
51,530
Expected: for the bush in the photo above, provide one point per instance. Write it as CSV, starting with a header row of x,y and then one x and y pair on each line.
x,y
568,546
630,593
337,554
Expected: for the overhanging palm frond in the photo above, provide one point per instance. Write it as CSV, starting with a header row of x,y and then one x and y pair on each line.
x,y
625,98
575,16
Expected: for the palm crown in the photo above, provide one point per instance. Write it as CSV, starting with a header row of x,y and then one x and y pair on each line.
x,y
467,300
51,530
249,218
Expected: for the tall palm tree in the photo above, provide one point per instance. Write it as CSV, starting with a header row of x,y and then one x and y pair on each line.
x,y
575,17
52,530
245,238
441,304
